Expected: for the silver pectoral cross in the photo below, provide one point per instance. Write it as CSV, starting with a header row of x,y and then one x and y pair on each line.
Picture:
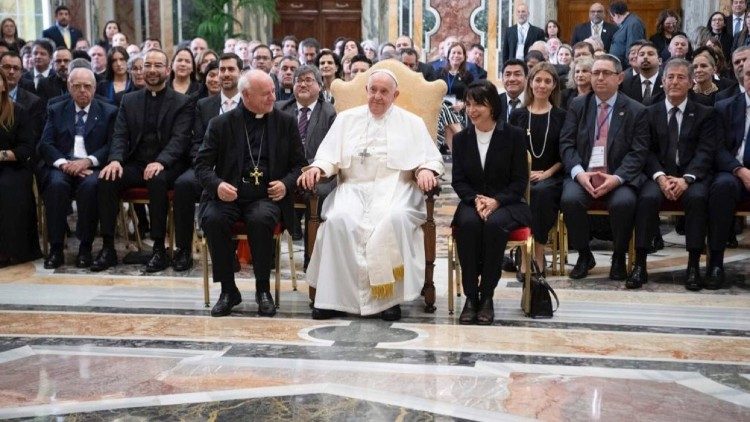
x,y
362,155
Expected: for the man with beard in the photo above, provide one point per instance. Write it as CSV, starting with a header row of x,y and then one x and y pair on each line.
x,y
187,190
646,88
148,149
61,33
285,77
57,84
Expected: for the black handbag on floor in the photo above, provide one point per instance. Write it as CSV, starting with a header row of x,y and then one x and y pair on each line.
x,y
536,301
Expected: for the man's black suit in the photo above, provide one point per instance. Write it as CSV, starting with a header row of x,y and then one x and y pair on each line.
x,y
505,107
51,87
626,153
583,31
633,88
172,142
221,158
727,189
695,149
35,108
187,190
53,33
57,143
27,80
504,177
510,40
727,93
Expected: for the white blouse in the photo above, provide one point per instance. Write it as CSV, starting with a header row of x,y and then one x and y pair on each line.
x,y
483,143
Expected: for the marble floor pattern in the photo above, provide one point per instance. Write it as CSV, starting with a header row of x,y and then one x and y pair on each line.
x,y
123,345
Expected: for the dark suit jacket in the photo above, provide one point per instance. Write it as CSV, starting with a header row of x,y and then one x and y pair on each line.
x,y
504,107
696,144
222,154
731,132
583,31
53,33
628,139
175,122
727,93
321,119
58,137
205,110
18,139
506,169
35,108
27,80
427,71
51,87
510,40
634,89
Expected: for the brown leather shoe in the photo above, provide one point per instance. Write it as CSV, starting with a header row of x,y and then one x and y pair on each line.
x,y
486,313
469,313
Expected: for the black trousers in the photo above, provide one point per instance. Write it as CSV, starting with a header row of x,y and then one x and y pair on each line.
x,y
694,202
575,202
187,192
260,217
545,205
725,193
19,237
132,176
481,245
57,189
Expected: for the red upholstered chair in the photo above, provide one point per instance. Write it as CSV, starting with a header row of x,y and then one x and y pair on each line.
x,y
239,232
134,196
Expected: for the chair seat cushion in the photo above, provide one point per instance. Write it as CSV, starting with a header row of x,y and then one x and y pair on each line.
x,y
520,234
140,194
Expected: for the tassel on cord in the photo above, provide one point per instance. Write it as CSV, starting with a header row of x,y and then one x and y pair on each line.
x,y
384,291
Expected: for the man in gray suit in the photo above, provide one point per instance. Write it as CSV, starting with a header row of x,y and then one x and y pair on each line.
x,y
314,117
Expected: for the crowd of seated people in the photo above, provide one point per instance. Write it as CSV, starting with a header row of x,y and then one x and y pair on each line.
x,y
611,118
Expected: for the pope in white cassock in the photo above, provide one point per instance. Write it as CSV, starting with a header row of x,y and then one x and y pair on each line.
x,y
369,252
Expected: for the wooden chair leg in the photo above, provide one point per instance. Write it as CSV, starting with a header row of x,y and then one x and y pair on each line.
x,y
290,247
204,262
429,253
171,228
278,268
529,252
451,270
631,252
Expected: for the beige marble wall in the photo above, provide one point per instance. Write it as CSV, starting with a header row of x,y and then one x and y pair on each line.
x,y
454,21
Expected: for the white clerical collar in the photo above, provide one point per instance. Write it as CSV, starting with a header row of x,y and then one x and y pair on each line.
x,y
681,106
311,106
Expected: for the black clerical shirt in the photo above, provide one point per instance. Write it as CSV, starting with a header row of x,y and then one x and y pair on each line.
x,y
257,138
150,145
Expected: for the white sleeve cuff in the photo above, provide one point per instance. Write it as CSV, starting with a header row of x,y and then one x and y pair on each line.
x,y
59,162
94,161
657,174
577,169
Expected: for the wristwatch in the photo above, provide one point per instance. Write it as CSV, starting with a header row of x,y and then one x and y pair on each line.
x,y
689,179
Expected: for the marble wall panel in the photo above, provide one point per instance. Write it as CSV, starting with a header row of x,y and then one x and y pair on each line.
x,y
125,16
154,20
454,20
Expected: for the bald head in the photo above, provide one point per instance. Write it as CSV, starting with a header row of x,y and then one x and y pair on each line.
x,y
258,91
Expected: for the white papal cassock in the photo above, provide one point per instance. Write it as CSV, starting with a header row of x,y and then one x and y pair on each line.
x,y
369,252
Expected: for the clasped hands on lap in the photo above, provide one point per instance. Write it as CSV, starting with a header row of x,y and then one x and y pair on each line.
x,y
596,183
672,187
485,206
426,179
77,168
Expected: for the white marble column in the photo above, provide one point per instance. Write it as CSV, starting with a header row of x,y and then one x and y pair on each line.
x,y
696,14
538,11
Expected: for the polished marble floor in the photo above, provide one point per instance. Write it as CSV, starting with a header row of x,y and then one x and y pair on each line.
x,y
128,346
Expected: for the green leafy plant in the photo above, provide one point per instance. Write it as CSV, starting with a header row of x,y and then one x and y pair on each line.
x,y
214,20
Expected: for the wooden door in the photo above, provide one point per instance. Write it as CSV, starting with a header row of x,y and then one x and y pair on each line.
x,y
324,20
573,12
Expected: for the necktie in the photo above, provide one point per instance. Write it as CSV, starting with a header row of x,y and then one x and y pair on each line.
x,y
80,124
513,104
596,30
603,124
737,25
646,92
66,37
228,106
674,136
37,77
302,123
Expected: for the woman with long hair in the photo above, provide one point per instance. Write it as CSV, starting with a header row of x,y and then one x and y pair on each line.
x,y
490,174
10,34
330,68
457,76
542,120
579,80
721,32
110,29
667,26
117,80
19,238
552,30
565,55
183,77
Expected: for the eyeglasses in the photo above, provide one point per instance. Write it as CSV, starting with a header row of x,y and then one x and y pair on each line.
x,y
305,81
10,67
605,73
136,69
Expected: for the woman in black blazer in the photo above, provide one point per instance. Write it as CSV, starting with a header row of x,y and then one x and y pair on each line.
x,y
490,174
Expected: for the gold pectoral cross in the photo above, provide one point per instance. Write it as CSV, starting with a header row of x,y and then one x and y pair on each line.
x,y
255,174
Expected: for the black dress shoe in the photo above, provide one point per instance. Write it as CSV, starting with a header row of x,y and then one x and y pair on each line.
x,y
159,261
732,242
583,265
183,260
266,307
637,278
657,244
107,258
693,280
509,265
714,278
486,312
83,260
618,271
318,313
391,314
469,314
55,259
225,303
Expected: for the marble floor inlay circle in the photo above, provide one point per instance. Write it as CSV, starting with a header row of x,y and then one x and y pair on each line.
x,y
363,334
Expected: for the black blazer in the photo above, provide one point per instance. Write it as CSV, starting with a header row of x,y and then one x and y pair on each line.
x,y
51,87
583,31
175,122
321,119
34,106
628,139
222,154
727,93
27,80
205,110
58,137
634,89
427,71
510,40
696,145
731,132
18,138
505,174
504,107
53,33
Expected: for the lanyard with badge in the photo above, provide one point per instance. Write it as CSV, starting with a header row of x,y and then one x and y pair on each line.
x,y
597,154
